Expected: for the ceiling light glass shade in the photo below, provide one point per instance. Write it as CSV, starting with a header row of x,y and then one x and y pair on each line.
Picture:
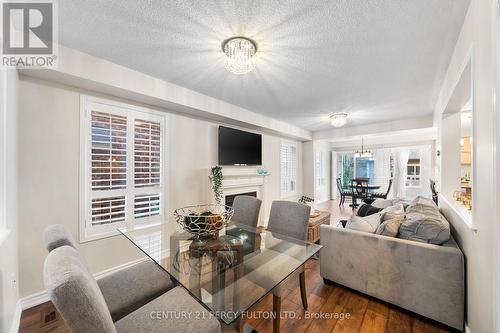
x,y
338,119
240,54
363,154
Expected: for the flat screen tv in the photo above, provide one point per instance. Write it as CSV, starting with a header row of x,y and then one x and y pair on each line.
x,y
239,147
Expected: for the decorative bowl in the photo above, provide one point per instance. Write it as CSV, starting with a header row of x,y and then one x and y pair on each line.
x,y
203,220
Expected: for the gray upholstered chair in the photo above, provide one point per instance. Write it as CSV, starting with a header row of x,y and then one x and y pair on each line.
x,y
246,210
125,290
290,219
77,297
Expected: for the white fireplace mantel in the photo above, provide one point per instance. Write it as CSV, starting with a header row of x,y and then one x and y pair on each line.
x,y
241,177
244,179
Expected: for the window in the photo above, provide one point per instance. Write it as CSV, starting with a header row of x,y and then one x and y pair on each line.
x,y
346,169
319,170
365,167
122,156
413,169
288,169
350,167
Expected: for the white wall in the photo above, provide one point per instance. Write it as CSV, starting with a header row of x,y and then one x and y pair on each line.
x,y
8,241
322,193
478,246
49,174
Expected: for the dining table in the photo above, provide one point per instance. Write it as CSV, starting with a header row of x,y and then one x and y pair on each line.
x,y
361,190
226,273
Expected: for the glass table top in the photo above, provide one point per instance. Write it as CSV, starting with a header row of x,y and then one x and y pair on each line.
x,y
227,274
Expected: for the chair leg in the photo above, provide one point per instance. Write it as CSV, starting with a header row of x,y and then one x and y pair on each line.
x,y
276,313
303,293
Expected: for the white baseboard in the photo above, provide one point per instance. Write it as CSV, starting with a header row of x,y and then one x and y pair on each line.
x,y
33,300
42,297
467,329
16,319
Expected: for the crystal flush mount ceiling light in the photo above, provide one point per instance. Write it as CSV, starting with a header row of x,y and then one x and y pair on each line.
x,y
240,54
338,119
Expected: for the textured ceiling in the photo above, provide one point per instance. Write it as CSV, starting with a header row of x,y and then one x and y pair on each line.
x,y
377,60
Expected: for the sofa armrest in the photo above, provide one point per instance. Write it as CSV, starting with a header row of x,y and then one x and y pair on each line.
x,y
423,278
130,288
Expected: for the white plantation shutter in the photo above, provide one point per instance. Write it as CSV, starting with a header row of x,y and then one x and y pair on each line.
x,y
108,210
122,149
146,205
147,145
109,151
288,169
319,172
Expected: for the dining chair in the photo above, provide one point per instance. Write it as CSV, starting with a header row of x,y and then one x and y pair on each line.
x,y
124,290
359,189
343,193
246,210
434,191
76,295
289,219
382,195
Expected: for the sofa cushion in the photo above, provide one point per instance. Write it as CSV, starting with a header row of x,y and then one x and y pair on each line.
x,y
366,209
390,227
368,223
174,311
424,223
392,212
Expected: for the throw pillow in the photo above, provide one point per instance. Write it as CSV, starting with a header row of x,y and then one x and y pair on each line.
x,y
366,209
389,213
390,227
382,203
424,223
366,224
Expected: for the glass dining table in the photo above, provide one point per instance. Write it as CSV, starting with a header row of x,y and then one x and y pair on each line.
x,y
227,274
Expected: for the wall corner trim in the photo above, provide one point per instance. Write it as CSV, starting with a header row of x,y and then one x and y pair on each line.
x,y
16,319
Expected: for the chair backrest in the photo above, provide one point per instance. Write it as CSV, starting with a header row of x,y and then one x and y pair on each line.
x,y
388,188
289,218
246,210
434,191
56,235
359,187
433,186
339,185
75,292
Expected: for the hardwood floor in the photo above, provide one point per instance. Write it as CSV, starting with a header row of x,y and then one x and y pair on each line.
x,y
332,308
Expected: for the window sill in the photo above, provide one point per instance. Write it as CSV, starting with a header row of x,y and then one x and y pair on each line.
x,y
95,237
463,213
4,234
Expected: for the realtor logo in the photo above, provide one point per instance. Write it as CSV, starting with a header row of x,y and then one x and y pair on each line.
x,y
29,34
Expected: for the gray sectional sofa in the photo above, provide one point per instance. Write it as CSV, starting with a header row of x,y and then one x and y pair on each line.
x,y
424,278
